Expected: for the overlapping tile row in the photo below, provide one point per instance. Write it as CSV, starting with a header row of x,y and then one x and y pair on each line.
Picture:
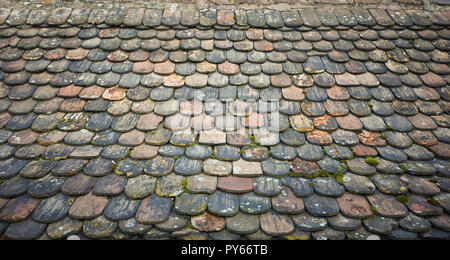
x,y
88,144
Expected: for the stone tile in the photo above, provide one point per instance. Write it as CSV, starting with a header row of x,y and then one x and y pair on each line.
x,y
251,203
169,186
242,224
308,223
159,166
321,206
208,223
144,152
26,230
420,206
299,166
99,227
235,184
46,187
217,168
358,184
242,168
328,187
154,209
387,206
349,122
191,204
18,209
121,208
132,227
276,225
68,167
201,184
114,94
359,166
79,184
389,184
354,206
88,207
64,228
110,185
300,186
212,137
287,202
441,222
52,209
14,187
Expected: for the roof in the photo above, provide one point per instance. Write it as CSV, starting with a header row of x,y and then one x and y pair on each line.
x,y
257,124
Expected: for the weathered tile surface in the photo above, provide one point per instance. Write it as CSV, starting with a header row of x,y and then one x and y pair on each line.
x,y
145,123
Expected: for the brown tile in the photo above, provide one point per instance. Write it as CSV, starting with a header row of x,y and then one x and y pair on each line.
x,y
254,34
55,54
319,137
280,80
24,137
346,79
238,139
364,151
338,93
144,152
208,223
371,138
303,167
4,118
287,202
422,122
293,93
118,56
426,93
354,206
368,79
143,67
228,68
69,91
325,123
263,45
235,184
18,209
132,138
139,55
225,18
91,93
72,105
255,120
191,108
114,94
88,207
77,54
173,81
424,138
420,206
52,137
349,122
154,209
441,150
433,80
387,206
148,122
275,224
